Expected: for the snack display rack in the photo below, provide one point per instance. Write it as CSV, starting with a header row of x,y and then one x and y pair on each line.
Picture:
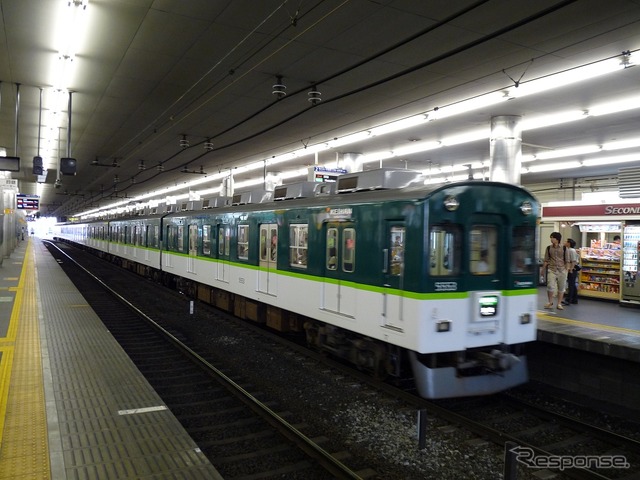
x,y
600,273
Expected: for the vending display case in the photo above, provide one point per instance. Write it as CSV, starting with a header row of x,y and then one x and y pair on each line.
x,y
630,287
600,273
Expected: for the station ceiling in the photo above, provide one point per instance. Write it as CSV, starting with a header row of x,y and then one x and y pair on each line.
x,y
167,92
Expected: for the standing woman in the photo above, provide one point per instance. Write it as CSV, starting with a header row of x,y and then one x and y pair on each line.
x,y
572,274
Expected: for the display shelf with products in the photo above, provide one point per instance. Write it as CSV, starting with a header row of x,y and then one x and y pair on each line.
x,y
600,273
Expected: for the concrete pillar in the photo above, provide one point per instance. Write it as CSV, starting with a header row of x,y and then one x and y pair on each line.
x,y
505,149
352,162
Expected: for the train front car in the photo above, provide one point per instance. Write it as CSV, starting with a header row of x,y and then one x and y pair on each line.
x,y
479,291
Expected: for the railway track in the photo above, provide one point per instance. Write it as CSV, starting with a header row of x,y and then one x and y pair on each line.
x,y
540,437
242,435
546,439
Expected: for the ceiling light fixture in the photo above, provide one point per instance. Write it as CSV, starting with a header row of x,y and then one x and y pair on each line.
x,y
279,89
314,96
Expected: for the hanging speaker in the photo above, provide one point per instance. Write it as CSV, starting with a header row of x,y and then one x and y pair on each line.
x,y
37,165
68,166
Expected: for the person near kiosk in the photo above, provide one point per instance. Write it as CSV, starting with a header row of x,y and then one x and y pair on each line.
x,y
557,263
572,273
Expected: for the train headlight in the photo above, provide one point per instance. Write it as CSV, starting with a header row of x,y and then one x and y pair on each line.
x,y
443,326
451,203
525,318
526,208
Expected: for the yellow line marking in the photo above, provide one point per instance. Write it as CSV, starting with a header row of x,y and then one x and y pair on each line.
x,y
10,340
13,279
580,323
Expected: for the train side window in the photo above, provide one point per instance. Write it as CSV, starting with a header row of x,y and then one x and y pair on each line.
x,y
349,250
243,242
483,249
332,249
523,249
156,236
206,239
444,247
180,238
396,241
298,235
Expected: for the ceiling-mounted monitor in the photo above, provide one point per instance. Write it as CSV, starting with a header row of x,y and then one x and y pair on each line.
x,y
10,164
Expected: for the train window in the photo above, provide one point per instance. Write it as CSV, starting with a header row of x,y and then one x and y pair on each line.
x,y
243,242
349,250
298,240
523,249
397,250
206,239
155,236
180,238
268,243
445,247
145,236
224,232
193,239
171,237
135,234
332,249
483,249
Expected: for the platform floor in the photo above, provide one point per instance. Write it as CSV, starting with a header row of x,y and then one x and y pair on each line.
x,y
72,404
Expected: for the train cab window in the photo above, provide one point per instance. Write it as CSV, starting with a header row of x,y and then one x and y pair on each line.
x,y
332,249
445,250
483,249
396,241
224,233
349,250
206,239
298,241
243,242
523,250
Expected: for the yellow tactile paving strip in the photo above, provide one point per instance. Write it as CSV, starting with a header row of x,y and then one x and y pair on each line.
x,y
23,424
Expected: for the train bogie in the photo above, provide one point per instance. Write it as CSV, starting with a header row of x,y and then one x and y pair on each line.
x,y
442,276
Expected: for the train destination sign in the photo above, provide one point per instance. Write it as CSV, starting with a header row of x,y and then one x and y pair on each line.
x,y
27,202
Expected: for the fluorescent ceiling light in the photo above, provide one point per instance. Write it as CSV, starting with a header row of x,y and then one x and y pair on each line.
x,y
628,103
568,152
566,78
615,159
619,145
398,125
465,106
553,119
552,166
470,136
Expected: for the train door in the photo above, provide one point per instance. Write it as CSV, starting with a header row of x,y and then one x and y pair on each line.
x,y
484,252
193,247
222,266
340,250
392,315
267,278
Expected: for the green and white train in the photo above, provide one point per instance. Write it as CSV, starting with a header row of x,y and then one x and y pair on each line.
x,y
377,269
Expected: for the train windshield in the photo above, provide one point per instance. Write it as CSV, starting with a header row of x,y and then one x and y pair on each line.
x,y
445,249
523,249
483,249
